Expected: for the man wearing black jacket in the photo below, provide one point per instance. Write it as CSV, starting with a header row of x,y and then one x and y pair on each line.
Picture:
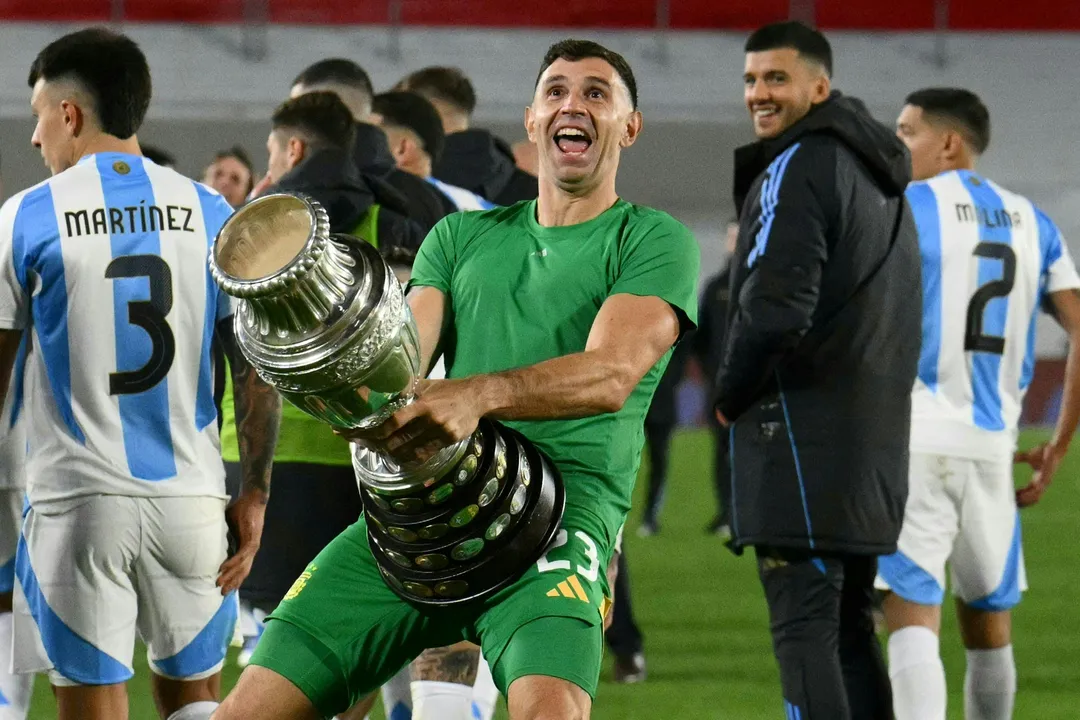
x,y
707,345
413,197
821,355
472,158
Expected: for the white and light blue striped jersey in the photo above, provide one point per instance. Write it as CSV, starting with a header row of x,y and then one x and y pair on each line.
x,y
462,198
989,257
105,267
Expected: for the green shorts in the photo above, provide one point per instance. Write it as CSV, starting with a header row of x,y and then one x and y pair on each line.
x,y
340,632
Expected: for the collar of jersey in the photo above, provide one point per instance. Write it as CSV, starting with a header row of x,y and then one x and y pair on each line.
x,y
564,231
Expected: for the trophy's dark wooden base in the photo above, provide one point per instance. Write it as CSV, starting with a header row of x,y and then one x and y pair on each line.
x,y
473,531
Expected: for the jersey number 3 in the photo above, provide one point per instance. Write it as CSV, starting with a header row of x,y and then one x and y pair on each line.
x,y
974,337
150,316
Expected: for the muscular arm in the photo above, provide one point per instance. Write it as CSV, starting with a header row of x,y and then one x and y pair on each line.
x,y
1067,311
258,416
629,335
428,307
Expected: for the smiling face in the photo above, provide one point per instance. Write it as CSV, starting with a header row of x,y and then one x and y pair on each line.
x,y
580,120
780,87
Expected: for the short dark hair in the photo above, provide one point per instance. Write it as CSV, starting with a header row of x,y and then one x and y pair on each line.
x,y
321,116
109,67
447,84
794,35
414,112
240,155
336,70
158,156
959,107
574,50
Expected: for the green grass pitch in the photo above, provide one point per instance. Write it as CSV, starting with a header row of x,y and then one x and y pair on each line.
x,y
704,617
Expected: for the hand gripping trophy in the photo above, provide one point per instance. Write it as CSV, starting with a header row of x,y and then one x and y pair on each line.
x,y
323,319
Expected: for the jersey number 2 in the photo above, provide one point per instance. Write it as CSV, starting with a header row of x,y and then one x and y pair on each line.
x,y
150,316
974,337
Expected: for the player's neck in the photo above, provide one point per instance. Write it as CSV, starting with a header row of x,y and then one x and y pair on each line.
x,y
556,207
102,143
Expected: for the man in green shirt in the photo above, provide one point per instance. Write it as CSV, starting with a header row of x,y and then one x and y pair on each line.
x,y
556,316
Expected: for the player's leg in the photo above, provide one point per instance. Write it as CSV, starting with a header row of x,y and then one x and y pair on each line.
x,y
75,603
186,623
988,580
485,693
544,634
914,578
397,696
442,682
803,593
15,689
658,436
866,678
339,634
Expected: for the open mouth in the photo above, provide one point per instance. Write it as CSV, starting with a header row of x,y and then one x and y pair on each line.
x,y
572,141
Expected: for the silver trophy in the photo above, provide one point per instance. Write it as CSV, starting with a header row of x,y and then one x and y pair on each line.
x,y
323,319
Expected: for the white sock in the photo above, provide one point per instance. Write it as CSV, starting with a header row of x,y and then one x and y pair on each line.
x,y
195,711
917,675
441,701
989,684
397,696
485,694
14,689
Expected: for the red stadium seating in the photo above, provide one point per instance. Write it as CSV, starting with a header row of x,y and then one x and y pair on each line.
x,y
1032,15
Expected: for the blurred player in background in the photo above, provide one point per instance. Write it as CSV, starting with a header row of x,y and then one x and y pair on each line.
x,y
371,153
473,158
104,274
158,156
231,174
417,140
990,257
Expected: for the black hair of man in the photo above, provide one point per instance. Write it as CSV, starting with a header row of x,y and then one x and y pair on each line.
x,y
320,117
109,67
575,50
959,108
446,84
340,71
158,156
793,35
239,154
412,111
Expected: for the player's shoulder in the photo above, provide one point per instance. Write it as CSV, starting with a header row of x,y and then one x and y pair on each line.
x,y
644,225
468,224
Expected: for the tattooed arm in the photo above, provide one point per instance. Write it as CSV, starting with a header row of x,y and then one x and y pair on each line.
x,y
258,418
452,664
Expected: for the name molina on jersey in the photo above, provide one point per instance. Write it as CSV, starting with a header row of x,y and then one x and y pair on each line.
x,y
987,217
141,218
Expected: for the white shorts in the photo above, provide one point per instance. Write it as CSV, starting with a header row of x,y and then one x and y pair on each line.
x,y
11,512
962,513
96,570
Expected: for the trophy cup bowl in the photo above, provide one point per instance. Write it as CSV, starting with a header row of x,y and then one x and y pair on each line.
x,y
323,319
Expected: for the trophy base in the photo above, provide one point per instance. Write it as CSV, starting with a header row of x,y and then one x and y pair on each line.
x,y
465,538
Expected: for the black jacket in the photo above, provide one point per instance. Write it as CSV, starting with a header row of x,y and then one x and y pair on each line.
x,y
707,342
331,178
484,164
419,200
823,335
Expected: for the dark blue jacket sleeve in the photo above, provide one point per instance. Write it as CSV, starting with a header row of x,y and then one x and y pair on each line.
x,y
783,266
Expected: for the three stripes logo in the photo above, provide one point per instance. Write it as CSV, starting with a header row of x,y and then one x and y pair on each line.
x,y
570,588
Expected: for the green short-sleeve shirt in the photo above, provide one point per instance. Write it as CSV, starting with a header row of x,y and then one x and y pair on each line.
x,y
521,293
